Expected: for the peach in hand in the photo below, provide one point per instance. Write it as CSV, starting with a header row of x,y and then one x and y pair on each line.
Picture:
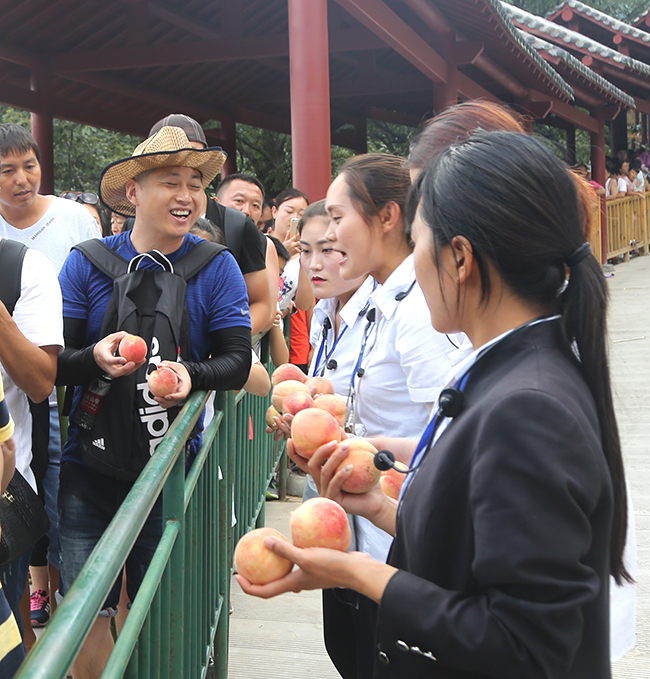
x,y
320,522
313,428
162,381
284,388
287,371
334,405
391,481
132,348
272,413
256,562
319,385
295,401
364,473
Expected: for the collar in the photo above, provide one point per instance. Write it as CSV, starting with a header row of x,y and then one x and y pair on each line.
x,y
326,308
465,356
399,281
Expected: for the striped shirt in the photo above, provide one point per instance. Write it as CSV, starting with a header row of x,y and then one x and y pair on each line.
x,y
12,650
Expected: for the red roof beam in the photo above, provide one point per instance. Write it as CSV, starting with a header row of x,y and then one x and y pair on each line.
x,y
500,76
396,33
427,11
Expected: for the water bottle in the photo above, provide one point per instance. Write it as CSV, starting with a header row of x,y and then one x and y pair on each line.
x,y
88,409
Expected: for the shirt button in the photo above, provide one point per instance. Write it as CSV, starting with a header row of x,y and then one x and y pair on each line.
x,y
402,645
383,658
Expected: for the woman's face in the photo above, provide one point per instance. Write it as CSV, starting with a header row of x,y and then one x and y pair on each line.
x,y
286,212
117,223
438,283
349,234
625,168
321,262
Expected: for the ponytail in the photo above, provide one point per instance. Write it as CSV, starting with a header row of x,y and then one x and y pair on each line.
x,y
522,213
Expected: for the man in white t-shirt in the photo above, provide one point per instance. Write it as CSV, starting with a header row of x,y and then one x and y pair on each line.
x,y
30,342
52,226
46,223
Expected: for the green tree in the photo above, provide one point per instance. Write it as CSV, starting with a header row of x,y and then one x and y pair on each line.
x,y
80,151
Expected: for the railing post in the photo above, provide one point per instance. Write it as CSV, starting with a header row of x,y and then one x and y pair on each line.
x,y
174,509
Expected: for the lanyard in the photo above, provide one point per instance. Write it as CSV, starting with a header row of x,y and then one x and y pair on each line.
x,y
320,367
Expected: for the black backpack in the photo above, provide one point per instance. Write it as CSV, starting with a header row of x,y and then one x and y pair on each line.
x,y
12,254
151,303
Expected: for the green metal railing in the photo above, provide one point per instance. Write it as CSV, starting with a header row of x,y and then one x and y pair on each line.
x,y
180,614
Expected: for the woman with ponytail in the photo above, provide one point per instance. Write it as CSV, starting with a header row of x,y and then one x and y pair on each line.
x,y
514,514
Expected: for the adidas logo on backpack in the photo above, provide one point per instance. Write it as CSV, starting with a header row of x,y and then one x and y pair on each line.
x,y
99,443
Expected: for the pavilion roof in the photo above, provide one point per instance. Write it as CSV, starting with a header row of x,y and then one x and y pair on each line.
x,y
576,41
642,20
574,68
596,16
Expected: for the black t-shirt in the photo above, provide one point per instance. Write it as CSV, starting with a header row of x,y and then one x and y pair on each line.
x,y
248,245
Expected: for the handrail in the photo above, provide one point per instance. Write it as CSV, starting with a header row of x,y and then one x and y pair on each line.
x,y
49,658
627,226
181,610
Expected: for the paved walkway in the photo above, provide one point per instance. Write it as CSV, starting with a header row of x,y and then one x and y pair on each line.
x,y
283,638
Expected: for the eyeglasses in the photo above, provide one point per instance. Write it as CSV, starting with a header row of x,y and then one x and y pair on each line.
x,y
87,197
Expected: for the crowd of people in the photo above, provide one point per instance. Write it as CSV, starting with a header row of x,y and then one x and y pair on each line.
x,y
411,278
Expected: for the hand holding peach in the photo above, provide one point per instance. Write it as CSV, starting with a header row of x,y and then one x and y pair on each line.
x,y
162,382
256,562
133,348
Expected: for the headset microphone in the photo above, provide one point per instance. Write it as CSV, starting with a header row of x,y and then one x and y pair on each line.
x,y
451,401
332,364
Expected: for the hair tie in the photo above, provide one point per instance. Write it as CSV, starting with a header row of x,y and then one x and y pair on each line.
x,y
578,255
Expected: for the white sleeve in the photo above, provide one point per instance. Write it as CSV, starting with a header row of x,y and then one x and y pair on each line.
x,y
39,313
423,352
622,184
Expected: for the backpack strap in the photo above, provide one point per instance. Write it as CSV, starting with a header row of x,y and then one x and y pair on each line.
x,y
105,259
233,228
12,255
197,258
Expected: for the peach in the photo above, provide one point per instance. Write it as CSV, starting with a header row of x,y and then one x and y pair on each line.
x,y
319,385
320,522
270,414
284,388
334,405
132,348
162,381
258,563
295,401
312,428
391,481
364,473
287,371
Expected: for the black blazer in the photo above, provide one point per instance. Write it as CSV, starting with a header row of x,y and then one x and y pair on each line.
x,y
503,534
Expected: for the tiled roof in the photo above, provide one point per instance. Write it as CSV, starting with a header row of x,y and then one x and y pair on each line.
x,y
570,38
641,17
577,65
604,19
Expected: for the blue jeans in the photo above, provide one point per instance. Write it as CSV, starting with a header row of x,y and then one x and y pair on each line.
x,y
51,485
88,501
14,581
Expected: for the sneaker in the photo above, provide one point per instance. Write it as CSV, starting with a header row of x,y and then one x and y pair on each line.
x,y
39,606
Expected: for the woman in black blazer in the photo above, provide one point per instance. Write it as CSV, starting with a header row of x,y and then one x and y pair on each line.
x,y
514,514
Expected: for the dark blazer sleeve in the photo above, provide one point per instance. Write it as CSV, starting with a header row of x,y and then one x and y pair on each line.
x,y
534,487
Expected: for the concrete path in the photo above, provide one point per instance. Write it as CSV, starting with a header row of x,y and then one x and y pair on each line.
x,y
283,637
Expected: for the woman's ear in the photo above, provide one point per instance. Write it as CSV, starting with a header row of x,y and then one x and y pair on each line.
x,y
464,257
390,216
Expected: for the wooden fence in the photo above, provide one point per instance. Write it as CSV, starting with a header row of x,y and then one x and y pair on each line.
x,y
627,226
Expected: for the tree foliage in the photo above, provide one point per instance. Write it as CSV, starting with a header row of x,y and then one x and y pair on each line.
x,y
80,151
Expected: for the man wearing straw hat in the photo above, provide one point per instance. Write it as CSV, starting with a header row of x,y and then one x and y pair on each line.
x,y
162,185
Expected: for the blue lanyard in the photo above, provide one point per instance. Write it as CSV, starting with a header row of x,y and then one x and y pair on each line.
x,y
320,368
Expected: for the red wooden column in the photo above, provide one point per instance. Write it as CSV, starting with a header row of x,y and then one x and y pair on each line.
x,y
43,132
310,97
599,175
228,141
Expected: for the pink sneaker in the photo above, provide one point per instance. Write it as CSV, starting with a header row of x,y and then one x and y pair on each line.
x,y
39,606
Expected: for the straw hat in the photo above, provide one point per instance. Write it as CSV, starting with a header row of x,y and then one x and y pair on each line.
x,y
169,147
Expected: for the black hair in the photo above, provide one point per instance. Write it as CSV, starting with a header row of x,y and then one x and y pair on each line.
x,y
283,253
212,232
636,164
315,210
508,195
611,166
289,194
16,139
248,178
